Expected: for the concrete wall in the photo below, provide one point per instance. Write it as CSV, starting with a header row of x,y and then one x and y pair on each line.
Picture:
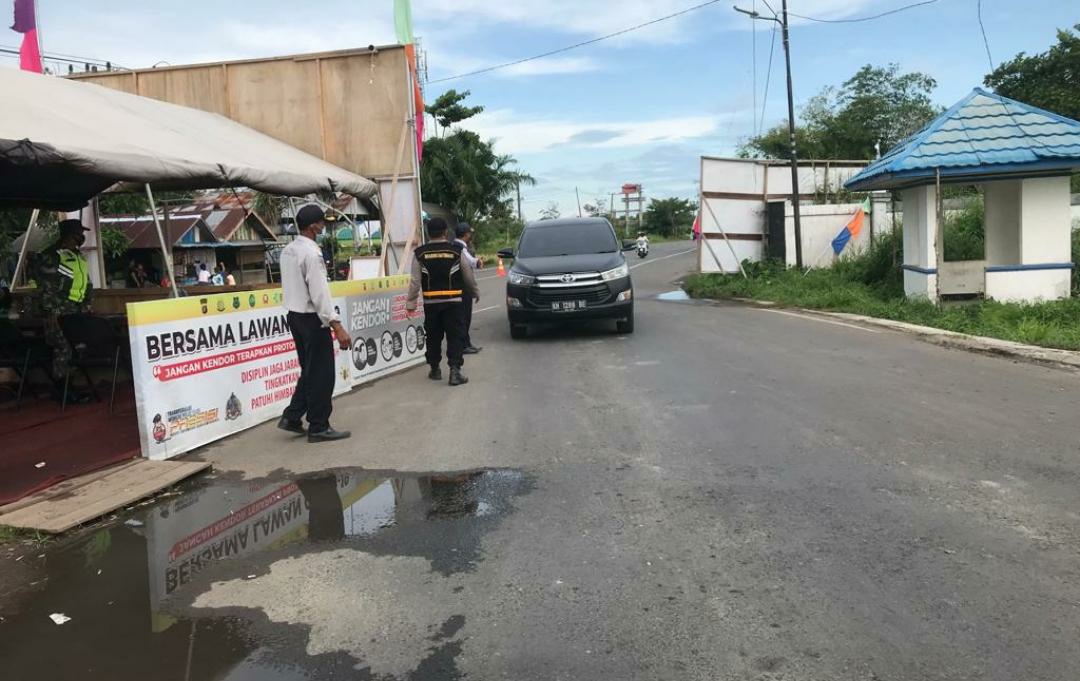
x,y
734,196
966,277
1028,286
1002,223
920,253
1046,218
820,225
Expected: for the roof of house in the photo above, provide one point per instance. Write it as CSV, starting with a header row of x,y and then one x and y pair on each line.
x,y
984,135
140,228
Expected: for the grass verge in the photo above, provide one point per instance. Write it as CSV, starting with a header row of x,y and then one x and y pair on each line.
x,y
871,285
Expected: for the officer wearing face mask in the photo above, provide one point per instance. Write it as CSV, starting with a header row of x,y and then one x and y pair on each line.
x,y
63,275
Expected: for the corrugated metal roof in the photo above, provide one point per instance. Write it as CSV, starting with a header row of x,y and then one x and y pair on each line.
x,y
983,135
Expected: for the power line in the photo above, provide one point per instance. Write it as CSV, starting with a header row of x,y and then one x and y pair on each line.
x,y
986,41
577,45
768,76
861,19
58,57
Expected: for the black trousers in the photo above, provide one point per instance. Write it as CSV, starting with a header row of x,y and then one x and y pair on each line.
x,y
445,319
315,349
467,303
326,521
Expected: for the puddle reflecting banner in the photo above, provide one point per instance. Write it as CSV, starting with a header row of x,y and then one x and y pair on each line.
x,y
206,367
208,526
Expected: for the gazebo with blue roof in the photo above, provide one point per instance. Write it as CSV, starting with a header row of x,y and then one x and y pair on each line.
x,y
1022,158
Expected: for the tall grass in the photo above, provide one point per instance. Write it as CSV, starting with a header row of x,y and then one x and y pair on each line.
x,y
871,284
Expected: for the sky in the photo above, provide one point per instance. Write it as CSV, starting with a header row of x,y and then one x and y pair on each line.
x,y
640,108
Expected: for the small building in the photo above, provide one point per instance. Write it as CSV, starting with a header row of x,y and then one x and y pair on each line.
x,y
208,230
1021,157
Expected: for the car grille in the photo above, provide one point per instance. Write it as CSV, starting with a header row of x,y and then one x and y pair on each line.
x,y
597,293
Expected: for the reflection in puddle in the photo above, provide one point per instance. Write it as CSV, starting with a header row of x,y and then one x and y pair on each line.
x,y
673,295
128,588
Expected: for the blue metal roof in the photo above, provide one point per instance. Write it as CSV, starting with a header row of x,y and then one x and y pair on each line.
x,y
982,136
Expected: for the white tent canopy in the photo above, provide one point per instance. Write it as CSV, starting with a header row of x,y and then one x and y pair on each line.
x,y
63,142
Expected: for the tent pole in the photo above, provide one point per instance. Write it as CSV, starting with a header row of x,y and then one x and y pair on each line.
x,y
166,255
385,238
21,264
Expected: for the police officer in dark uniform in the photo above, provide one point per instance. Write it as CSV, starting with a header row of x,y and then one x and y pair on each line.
x,y
63,275
446,279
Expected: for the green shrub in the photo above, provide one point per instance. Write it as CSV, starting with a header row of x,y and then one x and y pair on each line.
x,y
964,232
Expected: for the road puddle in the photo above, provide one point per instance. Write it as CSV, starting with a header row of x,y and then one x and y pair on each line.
x,y
677,295
130,588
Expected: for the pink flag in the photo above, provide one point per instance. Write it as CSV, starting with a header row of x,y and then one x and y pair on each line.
x,y
26,23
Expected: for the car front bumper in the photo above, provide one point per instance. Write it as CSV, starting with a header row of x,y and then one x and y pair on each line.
x,y
614,300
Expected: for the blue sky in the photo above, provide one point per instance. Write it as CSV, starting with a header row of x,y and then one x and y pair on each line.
x,y
639,108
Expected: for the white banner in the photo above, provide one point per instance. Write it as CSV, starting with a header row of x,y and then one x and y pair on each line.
x,y
206,367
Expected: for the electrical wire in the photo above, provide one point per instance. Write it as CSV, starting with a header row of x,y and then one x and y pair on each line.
x,y
861,19
986,41
66,58
768,77
592,41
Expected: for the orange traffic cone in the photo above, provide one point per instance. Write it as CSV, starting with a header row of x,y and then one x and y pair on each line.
x,y
500,270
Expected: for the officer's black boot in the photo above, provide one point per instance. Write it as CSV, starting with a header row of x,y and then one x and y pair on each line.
x,y
456,377
436,373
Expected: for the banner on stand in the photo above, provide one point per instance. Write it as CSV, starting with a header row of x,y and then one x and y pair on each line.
x,y
206,367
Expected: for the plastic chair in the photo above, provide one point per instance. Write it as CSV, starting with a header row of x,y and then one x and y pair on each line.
x,y
21,354
94,343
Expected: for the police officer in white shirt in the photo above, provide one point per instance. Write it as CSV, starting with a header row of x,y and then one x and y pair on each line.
x,y
465,234
306,296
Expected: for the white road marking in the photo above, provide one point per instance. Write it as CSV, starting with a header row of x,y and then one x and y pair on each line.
x,y
819,319
673,255
485,309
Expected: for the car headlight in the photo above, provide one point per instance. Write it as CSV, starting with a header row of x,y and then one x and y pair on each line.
x,y
519,279
617,273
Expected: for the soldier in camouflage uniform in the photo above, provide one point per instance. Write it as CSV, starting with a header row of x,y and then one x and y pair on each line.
x,y
63,276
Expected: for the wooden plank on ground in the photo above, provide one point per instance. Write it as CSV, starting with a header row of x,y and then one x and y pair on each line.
x,y
81,501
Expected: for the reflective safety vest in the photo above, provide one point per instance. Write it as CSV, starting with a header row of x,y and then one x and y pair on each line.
x,y
73,266
440,270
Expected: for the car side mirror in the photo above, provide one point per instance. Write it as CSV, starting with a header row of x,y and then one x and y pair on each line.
x,y
629,245
507,253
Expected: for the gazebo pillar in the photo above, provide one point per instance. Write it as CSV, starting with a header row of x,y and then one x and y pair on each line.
x,y
920,242
1028,232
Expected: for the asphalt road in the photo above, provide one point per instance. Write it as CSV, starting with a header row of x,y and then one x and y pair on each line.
x,y
728,493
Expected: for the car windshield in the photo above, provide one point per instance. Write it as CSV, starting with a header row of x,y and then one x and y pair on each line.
x,y
579,239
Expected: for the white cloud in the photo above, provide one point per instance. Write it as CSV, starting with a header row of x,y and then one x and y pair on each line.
x,y
515,134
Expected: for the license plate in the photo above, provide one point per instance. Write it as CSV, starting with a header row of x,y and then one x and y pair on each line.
x,y
567,305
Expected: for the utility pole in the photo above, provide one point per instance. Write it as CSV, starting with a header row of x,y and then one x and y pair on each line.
x,y
519,200
791,125
578,195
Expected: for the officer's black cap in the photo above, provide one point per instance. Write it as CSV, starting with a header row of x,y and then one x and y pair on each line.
x,y
71,227
309,215
436,227
463,228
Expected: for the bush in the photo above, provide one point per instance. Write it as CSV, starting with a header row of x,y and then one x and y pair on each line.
x,y
1076,262
871,284
965,234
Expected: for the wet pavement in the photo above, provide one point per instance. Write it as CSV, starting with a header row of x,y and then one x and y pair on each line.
x,y
143,592
726,494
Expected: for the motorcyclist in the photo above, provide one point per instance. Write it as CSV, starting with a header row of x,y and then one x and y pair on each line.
x,y
643,242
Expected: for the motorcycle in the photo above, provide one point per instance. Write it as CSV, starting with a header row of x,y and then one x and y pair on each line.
x,y
642,250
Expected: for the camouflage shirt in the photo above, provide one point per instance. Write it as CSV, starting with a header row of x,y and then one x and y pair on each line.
x,y
63,275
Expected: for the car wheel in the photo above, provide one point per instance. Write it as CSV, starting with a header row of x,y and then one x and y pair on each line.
x,y
518,331
625,326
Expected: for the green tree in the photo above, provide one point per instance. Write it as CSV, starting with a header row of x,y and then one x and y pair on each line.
x,y
463,173
876,106
1049,80
669,216
447,109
